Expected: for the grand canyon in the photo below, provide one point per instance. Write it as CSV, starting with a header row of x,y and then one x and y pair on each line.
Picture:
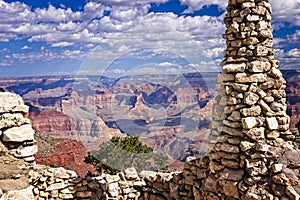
x,y
170,113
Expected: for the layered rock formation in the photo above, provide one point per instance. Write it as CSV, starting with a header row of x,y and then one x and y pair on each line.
x,y
62,152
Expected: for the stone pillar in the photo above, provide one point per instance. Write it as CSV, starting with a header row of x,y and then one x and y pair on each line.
x,y
16,132
250,127
17,147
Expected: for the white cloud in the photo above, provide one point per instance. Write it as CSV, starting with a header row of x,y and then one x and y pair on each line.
x,y
214,52
128,27
286,11
129,2
118,71
194,5
279,53
62,44
294,52
25,47
53,14
167,64
73,54
295,37
93,10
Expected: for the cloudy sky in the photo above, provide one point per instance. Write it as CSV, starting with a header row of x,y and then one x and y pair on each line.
x,y
50,37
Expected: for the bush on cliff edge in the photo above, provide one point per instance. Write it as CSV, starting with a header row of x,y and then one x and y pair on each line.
x,y
121,153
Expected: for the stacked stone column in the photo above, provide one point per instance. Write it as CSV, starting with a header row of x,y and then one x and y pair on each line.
x,y
16,132
250,128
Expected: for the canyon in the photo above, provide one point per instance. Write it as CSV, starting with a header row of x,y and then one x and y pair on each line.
x,y
170,113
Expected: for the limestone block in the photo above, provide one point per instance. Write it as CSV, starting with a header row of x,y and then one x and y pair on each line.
x,y
249,122
272,134
84,194
282,179
230,189
227,148
283,120
261,50
253,87
26,151
131,173
256,134
232,124
24,194
250,78
65,196
10,102
54,193
250,41
276,168
210,184
291,192
62,173
276,73
265,106
262,147
240,87
272,123
256,167
19,134
275,106
111,178
260,10
245,12
235,116
149,175
44,194
232,101
8,120
248,5
245,146
233,68
56,186
113,189
252,18
251,98
259,66
253,111
268,84
139,183
233,164
232,175
262,94
237,95
266,33
283,127
268,99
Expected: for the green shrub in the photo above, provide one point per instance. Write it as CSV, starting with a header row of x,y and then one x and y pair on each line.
x,y
121,153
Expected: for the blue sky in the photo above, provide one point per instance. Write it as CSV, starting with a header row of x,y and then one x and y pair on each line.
x,y
115,37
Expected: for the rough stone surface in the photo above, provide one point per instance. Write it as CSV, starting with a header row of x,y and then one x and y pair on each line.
x,y
19,134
